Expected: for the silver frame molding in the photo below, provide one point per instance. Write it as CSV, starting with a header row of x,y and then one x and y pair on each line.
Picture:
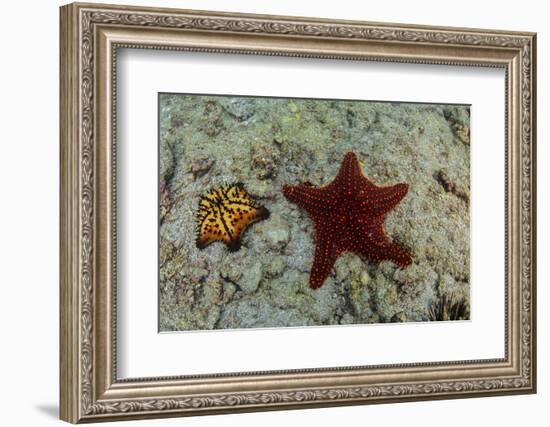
x,y
90,37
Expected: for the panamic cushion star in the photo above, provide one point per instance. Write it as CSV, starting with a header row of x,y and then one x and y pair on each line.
x,y
348,215
224,214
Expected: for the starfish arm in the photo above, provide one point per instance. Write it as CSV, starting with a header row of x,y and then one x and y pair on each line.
x,y
350,177
376,247
381,200
311,199
397,255
324,259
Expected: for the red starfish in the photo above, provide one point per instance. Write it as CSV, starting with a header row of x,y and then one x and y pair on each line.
x,y
348,215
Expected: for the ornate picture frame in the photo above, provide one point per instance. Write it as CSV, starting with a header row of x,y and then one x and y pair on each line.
x,y
90,37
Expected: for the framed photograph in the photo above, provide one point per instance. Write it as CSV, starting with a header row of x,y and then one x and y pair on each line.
x,y
267,212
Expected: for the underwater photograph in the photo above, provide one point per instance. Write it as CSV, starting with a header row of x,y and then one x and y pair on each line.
x,y
287,212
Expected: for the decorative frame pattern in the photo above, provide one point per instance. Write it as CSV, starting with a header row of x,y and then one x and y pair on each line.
x,y
90,35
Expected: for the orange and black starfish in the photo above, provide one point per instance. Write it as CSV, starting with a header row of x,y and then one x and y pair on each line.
x,y
225,213
348,215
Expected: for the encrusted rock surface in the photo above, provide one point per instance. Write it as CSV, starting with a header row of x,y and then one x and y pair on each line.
x,y
265,143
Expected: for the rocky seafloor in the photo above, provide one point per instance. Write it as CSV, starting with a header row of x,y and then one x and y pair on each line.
x,y
206,141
